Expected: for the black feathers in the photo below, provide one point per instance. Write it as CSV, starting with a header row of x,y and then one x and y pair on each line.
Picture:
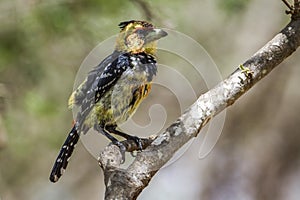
x,y
110,75
65,153
122,25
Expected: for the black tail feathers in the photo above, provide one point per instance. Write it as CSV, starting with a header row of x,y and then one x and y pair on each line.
x,y
64,155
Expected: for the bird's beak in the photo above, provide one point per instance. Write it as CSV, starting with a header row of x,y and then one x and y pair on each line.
x,y
155,34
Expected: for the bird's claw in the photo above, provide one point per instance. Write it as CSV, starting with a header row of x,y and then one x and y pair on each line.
x,y
122,149
138,142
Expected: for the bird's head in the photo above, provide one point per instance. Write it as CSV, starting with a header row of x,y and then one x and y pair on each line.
x,y
138,36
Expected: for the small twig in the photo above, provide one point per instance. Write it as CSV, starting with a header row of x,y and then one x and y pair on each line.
x,y
145,8
294,10
287,4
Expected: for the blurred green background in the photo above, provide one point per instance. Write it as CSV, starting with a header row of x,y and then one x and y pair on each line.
x,y
42,44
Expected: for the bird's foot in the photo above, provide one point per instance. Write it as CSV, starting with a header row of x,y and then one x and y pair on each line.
x,y
138,141
122,149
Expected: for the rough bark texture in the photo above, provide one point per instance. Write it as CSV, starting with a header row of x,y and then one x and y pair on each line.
x,y
129,183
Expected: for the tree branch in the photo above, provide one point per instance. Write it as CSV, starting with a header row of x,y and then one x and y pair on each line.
x,y
128,183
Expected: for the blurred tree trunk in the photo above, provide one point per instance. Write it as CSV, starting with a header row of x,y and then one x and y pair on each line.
x,y
3,133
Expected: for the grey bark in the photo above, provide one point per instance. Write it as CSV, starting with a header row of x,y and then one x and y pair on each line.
x,y
128,183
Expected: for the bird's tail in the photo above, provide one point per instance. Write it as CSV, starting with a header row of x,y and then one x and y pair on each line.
x,y
64,155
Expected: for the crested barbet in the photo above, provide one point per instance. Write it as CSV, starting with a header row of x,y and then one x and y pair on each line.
x,y
113,90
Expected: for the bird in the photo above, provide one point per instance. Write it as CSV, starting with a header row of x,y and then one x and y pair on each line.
x,y
113,90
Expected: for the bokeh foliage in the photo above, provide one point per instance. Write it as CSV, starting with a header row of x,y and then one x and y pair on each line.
x,y
42,44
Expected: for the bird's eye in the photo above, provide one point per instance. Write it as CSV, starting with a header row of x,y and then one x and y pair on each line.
x,y
139,31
